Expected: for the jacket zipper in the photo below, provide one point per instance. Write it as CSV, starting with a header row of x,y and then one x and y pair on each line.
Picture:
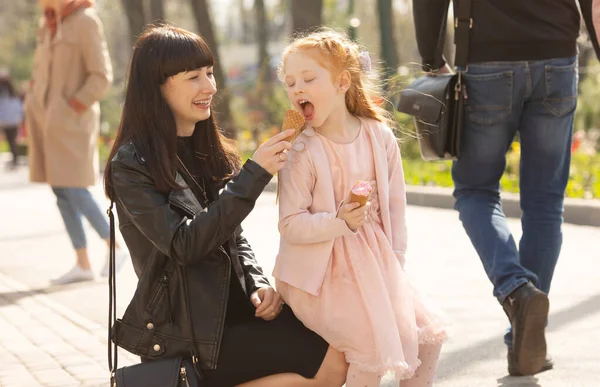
x,y
183,375
225,307
163,285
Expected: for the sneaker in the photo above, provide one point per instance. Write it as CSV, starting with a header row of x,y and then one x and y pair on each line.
x,y
121,256
76,274
527,309
512,368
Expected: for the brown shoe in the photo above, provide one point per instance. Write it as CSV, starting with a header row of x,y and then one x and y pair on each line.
x,y
527,309
512,368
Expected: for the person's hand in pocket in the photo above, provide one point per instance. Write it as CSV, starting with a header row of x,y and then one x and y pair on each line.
x,y
77,106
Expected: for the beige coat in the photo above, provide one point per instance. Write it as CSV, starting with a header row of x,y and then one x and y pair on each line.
x,y
63,149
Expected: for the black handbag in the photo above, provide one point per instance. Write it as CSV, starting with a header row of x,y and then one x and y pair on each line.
x,y
437,101
169,372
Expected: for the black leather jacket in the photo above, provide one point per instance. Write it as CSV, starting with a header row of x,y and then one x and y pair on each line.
x,y
170,235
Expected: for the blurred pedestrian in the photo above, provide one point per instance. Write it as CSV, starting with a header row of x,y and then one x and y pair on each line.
x,y
71,72
11,115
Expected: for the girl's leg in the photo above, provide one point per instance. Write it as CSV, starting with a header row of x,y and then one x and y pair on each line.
x,y
331,374
357,378
425,374
11,138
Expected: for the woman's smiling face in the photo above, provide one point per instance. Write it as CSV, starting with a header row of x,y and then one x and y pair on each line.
x,y
189,95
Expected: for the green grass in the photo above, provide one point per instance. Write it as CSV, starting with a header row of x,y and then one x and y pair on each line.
x,y
584,180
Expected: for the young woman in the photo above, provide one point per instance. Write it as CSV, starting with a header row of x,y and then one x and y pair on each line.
x,y
181,196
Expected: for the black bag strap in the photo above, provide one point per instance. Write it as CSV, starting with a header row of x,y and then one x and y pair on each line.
x,y
463,23
112,306
112,298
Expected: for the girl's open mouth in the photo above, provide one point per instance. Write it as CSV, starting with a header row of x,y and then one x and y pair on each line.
x,y
307,109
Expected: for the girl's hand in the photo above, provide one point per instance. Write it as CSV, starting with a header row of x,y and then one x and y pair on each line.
x,y
267,302
353,215
271,154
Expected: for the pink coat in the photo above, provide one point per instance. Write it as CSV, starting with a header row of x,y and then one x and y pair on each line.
x,y
307,210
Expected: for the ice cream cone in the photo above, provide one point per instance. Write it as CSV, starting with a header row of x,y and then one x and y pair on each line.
x,y
293,120
360,193
360,199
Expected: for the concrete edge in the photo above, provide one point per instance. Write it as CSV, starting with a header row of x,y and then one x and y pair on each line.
x,y
583,212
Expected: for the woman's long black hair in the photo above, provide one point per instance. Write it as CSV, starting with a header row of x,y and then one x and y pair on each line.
x,y
159,53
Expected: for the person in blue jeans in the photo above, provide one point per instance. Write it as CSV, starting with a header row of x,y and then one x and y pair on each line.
x,y
521,79
71,72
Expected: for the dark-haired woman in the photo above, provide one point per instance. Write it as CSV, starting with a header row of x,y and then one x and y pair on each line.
x,y
181,196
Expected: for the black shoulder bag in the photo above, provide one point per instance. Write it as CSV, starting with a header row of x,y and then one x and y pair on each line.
x,y
168,372
437,101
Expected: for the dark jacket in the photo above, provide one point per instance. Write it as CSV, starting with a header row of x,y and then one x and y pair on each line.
x,y
170,235
507,30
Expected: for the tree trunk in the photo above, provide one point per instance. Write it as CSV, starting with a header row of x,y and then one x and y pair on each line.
x,y
586,53
352,30
134,9
389,54
262,36
246,37
156,11
306,14
222,110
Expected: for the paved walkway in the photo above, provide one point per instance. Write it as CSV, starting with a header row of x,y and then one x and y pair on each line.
x,y
56,336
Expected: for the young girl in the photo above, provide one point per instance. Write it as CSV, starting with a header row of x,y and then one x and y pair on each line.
x,y
340,266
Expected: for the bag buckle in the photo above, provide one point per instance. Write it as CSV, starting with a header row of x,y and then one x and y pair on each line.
x,y
458,21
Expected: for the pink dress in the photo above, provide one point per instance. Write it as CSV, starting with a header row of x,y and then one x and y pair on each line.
x,y
367,307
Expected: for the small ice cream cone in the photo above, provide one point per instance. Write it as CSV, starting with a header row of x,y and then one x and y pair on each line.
x,y
293,120
361,192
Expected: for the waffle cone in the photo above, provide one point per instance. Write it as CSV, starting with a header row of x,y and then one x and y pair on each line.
x,y
361,199
293,120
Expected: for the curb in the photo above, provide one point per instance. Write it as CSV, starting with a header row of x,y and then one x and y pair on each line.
x,y
583,212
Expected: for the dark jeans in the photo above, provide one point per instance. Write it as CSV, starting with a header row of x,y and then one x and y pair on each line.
x,y
11,133
537,99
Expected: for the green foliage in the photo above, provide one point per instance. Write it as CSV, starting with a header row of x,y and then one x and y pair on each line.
x,y
584,179
18,28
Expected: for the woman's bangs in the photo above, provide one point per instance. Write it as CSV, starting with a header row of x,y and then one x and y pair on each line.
x,y
185,53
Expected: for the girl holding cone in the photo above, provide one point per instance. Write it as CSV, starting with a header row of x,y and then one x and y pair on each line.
x,y
340,263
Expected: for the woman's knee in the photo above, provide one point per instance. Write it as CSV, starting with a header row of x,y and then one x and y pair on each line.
x,y
333,370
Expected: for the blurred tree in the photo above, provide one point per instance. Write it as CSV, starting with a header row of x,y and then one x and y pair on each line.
x,y
306,14
142,12
18,28
352,27
244,19
389,53
156,11
134,9
222,109
262,37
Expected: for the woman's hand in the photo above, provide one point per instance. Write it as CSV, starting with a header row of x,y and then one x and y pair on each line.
x,y
271,154
353,215
267,302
